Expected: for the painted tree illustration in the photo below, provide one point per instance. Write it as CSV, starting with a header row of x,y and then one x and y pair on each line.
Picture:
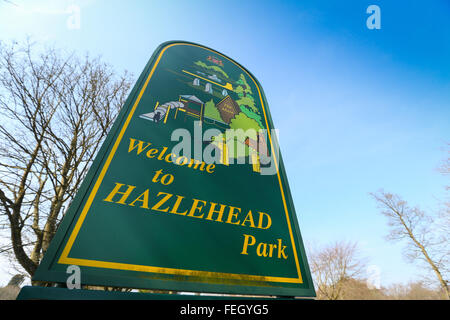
x,y
211,111
249,113
213,68
241,121
246,89
244,92
249,128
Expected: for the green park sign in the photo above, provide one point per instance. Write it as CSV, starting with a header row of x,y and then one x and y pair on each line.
x,y
189,191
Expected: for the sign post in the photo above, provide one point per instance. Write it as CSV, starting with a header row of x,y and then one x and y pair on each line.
x,y
189,191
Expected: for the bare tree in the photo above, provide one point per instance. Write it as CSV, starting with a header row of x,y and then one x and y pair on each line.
x,y
422,233
334,266
444,214
55,110
412,291
445,166
357,289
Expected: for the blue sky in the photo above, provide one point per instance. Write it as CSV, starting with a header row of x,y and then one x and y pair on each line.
x,y
357,109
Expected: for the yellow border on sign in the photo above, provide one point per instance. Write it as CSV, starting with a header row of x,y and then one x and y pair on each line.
x,y
65,259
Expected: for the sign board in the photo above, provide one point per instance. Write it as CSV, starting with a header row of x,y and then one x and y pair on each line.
x,y
188,191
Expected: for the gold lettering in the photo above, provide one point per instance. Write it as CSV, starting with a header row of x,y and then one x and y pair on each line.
x,y
158,205
115,191
248,241
271,247
210,167
181,161
144,200
169,156
219,212
261,219
232,215
263,252
139,146
161,155
197,163
249,217
281,253
196,207
176,205
151,153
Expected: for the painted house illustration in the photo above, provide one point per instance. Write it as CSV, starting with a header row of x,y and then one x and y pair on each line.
x,y
194,107
189,104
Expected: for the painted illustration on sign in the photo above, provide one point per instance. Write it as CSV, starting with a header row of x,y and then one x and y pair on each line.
x,y
231,105
180,197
